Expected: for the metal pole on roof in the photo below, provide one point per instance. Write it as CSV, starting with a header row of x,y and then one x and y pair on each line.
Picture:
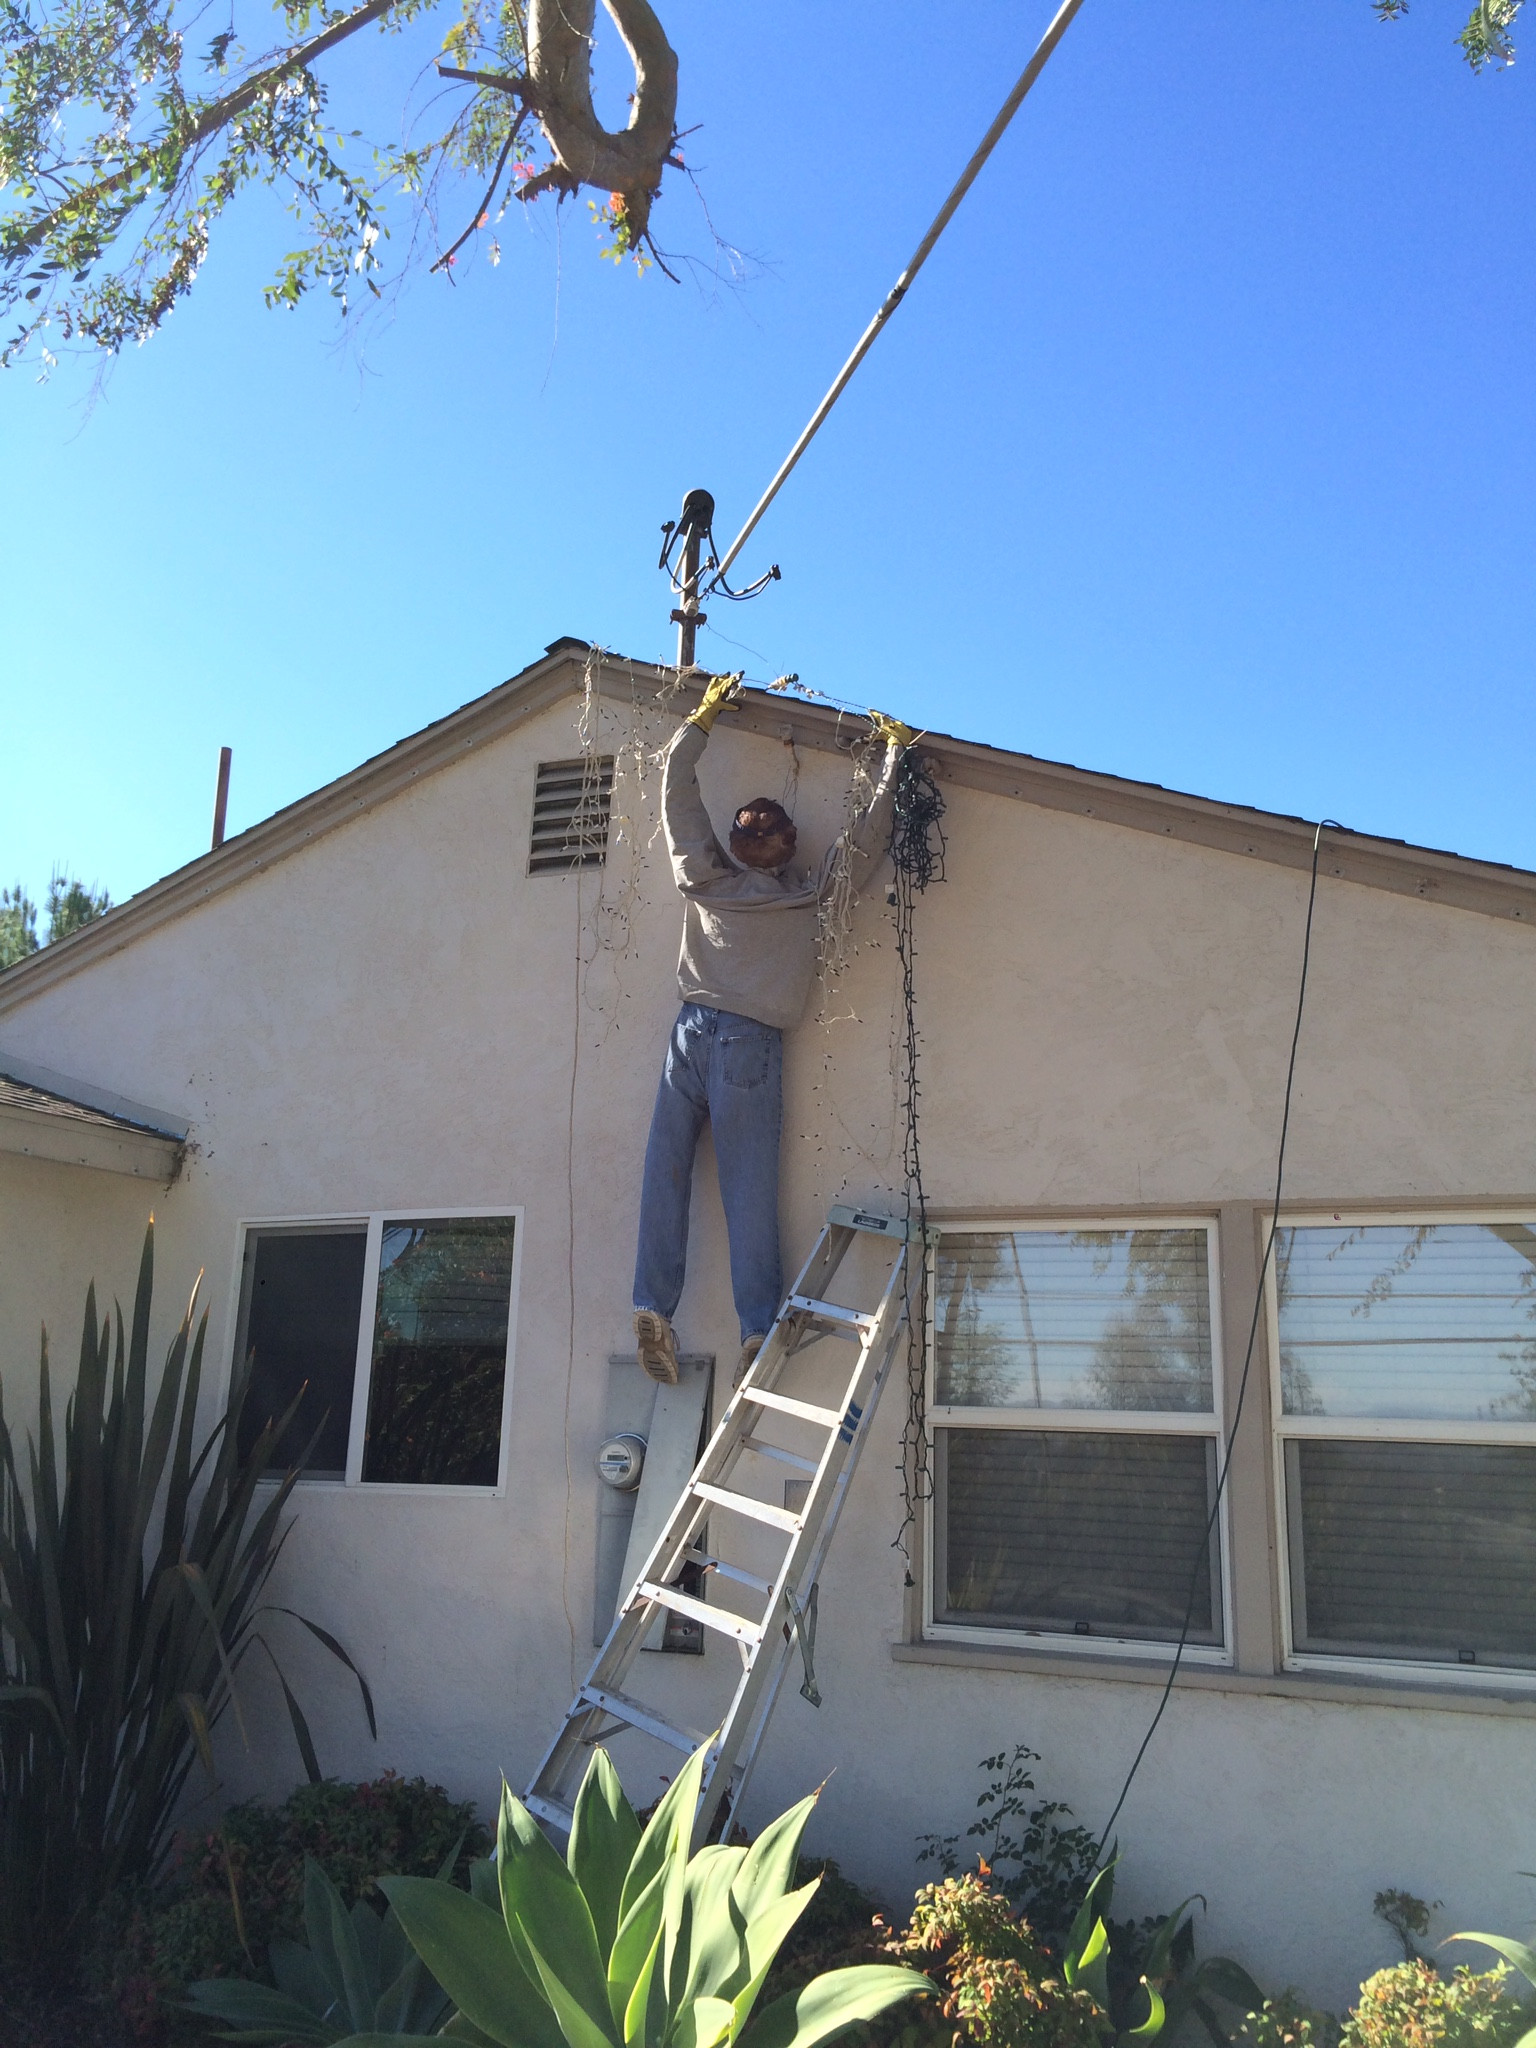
x,y
898,290
221,798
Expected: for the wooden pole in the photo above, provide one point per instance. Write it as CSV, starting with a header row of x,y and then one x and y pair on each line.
x,y
221,798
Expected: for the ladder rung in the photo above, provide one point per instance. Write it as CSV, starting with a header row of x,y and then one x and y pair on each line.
x,y
728,1571
552,1810
624,1708
753,1443
826,1418
720,1618
833,1311
744,1504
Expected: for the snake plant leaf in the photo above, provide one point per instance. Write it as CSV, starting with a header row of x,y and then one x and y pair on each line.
x,y
578,2026
464,1944
800,2019
458,2028
546,1910
257,2011
604,1837
1086,1965
675,1811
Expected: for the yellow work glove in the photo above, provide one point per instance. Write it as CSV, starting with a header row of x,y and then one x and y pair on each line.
x,y
719,694
891,730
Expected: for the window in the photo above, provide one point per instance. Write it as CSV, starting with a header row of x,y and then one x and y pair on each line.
x,y
1075,1407
394,1333
571,805
1406,1356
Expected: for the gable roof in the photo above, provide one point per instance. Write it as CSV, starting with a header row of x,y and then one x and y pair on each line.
x,y
1488,887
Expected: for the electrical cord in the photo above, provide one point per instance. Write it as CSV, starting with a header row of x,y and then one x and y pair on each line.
x,y
1203,1554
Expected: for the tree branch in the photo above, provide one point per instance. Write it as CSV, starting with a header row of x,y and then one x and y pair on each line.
x,y
484,207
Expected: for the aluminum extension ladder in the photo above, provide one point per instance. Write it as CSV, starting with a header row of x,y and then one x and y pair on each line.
x,y
786,1620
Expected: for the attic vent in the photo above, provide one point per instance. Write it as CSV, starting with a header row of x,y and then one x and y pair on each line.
x,y
571,803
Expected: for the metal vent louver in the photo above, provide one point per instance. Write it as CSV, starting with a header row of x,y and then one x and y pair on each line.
x,y
571,803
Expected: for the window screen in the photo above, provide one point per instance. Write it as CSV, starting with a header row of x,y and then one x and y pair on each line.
x,y
1046,1520
1407,1399
301,1299
439,1359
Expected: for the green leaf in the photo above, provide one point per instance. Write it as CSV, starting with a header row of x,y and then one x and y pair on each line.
x,y
768,1869
829,2003
1152,2025
1087,1968
1516,1952
717,1948
251,2006
703,2023
545,1909
634,2016
1230,1981
639,1932
1158,1956
675,1810
576,2023
604,1837
465,1946
765,1937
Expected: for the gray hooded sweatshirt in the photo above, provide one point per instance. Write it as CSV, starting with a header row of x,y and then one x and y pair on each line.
x,y
749,938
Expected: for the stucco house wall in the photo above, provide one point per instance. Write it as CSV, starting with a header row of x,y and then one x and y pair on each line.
x,y
396,1016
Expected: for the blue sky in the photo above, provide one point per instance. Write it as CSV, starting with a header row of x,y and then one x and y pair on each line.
x,y
1201,453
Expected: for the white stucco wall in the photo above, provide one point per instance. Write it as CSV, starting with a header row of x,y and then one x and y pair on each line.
x,y
398,1017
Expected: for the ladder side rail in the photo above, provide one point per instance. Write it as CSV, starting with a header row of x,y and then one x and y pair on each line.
x,y
826,1255
823,1503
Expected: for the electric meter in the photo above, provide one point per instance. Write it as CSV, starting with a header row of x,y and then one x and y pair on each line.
x,y
620,1461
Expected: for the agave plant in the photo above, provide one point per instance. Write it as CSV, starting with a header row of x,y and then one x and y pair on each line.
x,y
1173,1984
1524,1960
630,1942
358,1973
130,1580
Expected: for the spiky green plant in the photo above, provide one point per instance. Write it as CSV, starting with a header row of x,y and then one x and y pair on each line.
x,y
131,1573
630,1942
359,1971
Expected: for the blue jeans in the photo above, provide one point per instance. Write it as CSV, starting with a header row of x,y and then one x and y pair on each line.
x,y
727,1069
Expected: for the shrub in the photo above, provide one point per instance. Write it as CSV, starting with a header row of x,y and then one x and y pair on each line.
x,y
1284,2022
149,1946
1409,2006
1004,1990
131,1575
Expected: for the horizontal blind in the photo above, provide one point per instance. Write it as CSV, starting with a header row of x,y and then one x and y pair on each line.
x,y
1111,1319
1076,1531
1413,1550
1422,1322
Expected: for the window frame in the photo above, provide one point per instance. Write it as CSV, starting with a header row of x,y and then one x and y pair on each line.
x,y
373,1222
1210,1425
1286,1429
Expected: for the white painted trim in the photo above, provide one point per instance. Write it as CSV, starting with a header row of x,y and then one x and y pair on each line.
x,y
1210,1424
1481,1677
103,1148
373,1223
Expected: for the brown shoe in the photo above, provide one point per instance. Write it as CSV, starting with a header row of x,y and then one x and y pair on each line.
x,y
657,1346
750,1347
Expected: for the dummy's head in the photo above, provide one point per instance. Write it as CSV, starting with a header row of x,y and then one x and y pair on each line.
x,y
763,835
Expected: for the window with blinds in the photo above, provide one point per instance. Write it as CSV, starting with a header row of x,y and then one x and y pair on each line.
x,y
1406,1357
1074,1401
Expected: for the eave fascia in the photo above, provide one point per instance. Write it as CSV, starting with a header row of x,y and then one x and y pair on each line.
x,y
70,1141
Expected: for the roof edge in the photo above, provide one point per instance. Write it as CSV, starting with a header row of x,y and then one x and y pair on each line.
x,y
1487,887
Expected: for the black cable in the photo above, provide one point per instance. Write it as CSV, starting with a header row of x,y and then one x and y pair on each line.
x,y
917,854
1203,1554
